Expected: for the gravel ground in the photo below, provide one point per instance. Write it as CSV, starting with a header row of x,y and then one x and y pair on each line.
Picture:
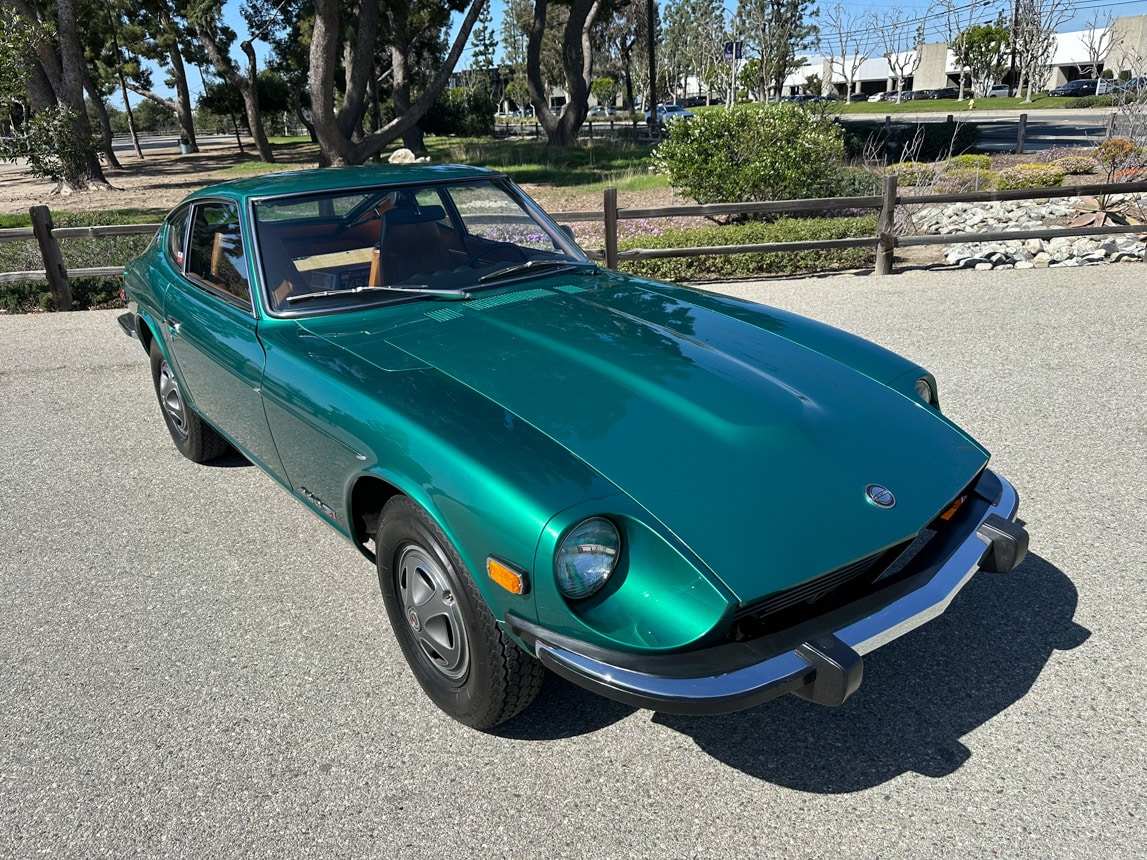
x,y
195,667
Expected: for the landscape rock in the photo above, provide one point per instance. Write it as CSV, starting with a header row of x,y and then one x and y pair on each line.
x,y
1025,253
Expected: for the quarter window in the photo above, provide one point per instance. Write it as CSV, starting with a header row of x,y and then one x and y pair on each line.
x,y
177,236
216,253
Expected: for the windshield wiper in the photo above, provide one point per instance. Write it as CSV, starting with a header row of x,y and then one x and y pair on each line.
x,y
533,265
413,289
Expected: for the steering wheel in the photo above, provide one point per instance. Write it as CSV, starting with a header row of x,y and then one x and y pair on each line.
x,y
495,248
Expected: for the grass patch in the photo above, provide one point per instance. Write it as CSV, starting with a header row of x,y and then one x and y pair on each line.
x,y
593,163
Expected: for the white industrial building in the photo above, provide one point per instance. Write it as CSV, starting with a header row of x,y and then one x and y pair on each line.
x,y
937,67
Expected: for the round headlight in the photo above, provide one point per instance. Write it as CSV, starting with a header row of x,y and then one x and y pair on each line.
x,y
924,389
586,557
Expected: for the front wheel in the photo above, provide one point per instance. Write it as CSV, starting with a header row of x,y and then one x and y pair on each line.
x,y
460,656
196,440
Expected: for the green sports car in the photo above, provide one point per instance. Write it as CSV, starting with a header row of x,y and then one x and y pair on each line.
x,y
681,501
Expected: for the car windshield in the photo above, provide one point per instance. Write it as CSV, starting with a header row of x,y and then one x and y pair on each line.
x,y
342,250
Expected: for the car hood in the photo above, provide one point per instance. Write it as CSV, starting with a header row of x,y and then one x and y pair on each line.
x,y
753,450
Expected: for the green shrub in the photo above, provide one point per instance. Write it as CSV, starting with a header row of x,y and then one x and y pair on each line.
x,y
749,154
960,179
853,182
1076,165
967,160
1030,176
754,232
1105,100
913,173
462,111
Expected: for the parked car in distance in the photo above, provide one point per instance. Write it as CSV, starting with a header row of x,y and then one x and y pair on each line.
x,y
945,93
666,113
676,499
1133,85
600,111
877,97
1076,88
999,91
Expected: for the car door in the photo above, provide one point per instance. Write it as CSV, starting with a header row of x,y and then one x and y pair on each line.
x,y
211,330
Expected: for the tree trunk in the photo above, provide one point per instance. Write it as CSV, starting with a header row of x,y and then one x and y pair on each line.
x,y
562,131
107,139
182,104
71,94
412,138
246,84
335,148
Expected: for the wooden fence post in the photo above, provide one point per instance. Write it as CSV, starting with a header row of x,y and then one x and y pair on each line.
x,y
1021,132
886,223
610,206
53,260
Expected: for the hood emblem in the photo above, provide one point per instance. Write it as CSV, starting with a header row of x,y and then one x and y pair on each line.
x,y
880,496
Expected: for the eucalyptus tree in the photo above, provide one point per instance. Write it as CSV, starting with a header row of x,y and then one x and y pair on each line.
x,y
55,84
577,67
779,30
1033,39
625,38
351,35
1099,38
155,30
847,42
900,42
217,38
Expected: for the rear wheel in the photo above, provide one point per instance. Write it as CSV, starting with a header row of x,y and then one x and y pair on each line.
x,y
460,656
196,440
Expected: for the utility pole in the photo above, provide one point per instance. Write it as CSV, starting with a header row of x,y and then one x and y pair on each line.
x,y
1012,91
651,44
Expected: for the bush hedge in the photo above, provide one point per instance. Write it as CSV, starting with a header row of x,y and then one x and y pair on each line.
x,y
970,161
1030,176
754,232
1076,165
748,154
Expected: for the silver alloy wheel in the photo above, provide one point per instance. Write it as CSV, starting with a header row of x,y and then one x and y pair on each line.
x,y
432,611
172,399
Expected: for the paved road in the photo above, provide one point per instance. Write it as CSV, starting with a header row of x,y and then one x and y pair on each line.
x,y
193,666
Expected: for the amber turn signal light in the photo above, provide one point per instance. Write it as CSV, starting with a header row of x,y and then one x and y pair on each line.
x,y
514,581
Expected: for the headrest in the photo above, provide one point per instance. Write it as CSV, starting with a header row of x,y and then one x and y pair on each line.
x,y
409,215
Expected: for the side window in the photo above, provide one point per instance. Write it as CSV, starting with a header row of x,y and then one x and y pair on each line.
x,y
177,236
216,251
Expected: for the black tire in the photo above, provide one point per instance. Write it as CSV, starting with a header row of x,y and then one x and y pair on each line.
x,y
456,650
196,440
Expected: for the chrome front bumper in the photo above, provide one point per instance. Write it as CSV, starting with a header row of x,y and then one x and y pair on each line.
x,y
820,660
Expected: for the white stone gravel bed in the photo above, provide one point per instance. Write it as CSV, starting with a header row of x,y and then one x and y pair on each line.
x,y
1025,253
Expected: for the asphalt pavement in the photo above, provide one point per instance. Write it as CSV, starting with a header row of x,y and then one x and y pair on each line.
x,y
195,666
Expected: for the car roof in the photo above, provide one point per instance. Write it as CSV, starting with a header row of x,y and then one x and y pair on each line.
x,y
341,178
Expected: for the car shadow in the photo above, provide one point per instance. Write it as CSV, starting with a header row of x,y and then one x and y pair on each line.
x,y
232,459
920,694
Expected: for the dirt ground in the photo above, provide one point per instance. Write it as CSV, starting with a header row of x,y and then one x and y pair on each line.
x,y
164,177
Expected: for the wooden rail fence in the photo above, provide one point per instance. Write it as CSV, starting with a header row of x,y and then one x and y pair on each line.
x,y
885,242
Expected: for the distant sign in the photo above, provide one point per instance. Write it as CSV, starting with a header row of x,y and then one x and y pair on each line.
x,y
733,51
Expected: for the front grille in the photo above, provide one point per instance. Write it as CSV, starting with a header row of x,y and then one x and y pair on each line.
x,y
834,589
811,591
